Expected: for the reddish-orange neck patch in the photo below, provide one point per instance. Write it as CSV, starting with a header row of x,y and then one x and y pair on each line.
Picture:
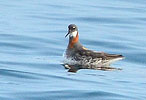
x,y
73,41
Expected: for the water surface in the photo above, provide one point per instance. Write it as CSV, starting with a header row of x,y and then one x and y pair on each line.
x,y
32,43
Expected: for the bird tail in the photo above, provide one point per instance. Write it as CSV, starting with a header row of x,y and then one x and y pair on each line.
x,y
114,57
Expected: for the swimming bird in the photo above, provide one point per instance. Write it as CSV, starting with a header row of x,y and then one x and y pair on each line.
x,y
78,57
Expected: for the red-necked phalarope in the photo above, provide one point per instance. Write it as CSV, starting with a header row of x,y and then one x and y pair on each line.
x,y
78,57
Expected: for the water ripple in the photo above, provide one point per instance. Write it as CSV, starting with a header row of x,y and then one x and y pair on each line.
x,y
72,94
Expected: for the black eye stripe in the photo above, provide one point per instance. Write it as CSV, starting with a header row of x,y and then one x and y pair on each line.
x,y
73,28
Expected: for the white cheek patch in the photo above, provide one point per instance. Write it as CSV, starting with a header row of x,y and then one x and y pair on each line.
x,y
73,34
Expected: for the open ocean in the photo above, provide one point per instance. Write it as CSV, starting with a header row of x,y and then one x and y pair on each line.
x,y
32,43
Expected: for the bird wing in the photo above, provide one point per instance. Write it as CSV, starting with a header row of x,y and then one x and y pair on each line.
x,y
101,55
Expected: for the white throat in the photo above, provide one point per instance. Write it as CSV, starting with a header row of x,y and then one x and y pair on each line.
x,y
73,34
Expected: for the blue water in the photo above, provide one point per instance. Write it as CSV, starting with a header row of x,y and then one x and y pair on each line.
x,y
32,43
